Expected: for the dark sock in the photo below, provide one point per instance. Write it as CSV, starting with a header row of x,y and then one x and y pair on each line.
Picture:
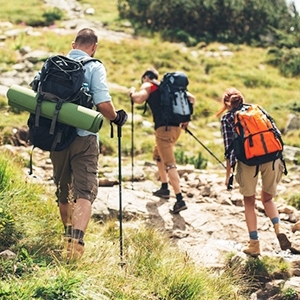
x,y
68,230
164,185
179,197
78,234
253,235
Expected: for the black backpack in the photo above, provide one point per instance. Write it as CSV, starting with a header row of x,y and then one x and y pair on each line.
x,y
175,105
60,81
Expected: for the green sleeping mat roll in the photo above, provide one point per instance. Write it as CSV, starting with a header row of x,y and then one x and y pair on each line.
x,y
70,113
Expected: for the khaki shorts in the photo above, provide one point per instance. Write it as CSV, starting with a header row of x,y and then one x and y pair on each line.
x,y
75,170
165,142
270,173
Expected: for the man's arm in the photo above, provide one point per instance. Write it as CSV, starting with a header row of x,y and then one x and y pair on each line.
x,y
107,109
142,95
191,97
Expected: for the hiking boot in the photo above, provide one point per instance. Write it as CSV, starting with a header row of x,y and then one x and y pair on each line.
x,y
178,206
66,240
282,238
163,193
284,242
296,227
253,248
75,249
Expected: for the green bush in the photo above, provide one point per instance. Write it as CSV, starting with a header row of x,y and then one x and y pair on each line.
x,y
7,227
289,294
7,223
16,267
53,15
287,60
199,162
294,200
46,19
222,20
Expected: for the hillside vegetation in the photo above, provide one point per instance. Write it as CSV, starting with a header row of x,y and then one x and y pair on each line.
x,y
209,72
235,21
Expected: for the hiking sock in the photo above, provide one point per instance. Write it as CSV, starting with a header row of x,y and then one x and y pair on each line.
x,y
253,235
78,234
275,220
179,197
68,230
164,185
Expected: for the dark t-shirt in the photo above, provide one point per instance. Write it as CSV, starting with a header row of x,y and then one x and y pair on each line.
x,y
154,104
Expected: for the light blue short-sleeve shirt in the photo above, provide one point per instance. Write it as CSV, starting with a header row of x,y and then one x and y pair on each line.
x,y
95,76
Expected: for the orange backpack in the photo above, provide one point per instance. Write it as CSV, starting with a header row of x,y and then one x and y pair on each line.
x,y
256,138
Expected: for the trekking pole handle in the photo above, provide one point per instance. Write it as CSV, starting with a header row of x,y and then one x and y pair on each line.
x,y
119,131
230,182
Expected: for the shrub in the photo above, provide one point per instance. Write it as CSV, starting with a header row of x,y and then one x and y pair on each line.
x,y
294,200
46,19
222,20
7,227
287,60
199,162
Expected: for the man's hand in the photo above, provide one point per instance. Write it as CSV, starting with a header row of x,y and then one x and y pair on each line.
x,y
121,117
184,125
131,91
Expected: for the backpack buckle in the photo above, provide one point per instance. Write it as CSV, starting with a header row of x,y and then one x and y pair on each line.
x,y
58,105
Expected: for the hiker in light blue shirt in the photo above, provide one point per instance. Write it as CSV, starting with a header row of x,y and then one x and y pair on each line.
x,y
75,168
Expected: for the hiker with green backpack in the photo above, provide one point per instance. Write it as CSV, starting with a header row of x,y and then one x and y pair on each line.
x,y
168,124
253,147
75,166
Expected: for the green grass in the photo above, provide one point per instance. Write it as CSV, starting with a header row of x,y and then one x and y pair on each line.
x,y
151,267
105,11
32,13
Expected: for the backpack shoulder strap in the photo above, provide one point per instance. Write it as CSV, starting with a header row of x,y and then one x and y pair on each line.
x,y
153,88
236,117
89,59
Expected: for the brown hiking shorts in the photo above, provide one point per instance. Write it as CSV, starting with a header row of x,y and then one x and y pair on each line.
x,y
270,173
165,142
75,170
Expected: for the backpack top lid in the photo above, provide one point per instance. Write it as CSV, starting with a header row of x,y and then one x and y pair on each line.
x,y
61,79
252,119
176,79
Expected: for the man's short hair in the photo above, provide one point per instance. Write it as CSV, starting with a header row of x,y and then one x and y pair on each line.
x,y
86,36
151,73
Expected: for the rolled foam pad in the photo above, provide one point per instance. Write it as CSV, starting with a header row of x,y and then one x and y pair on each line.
x,y
70,113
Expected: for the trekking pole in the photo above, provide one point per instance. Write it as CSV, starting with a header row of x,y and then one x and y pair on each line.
x,y
120,195
230,182
188,131
132,144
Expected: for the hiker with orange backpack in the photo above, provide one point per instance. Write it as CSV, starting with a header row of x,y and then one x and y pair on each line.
x,y
238,143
